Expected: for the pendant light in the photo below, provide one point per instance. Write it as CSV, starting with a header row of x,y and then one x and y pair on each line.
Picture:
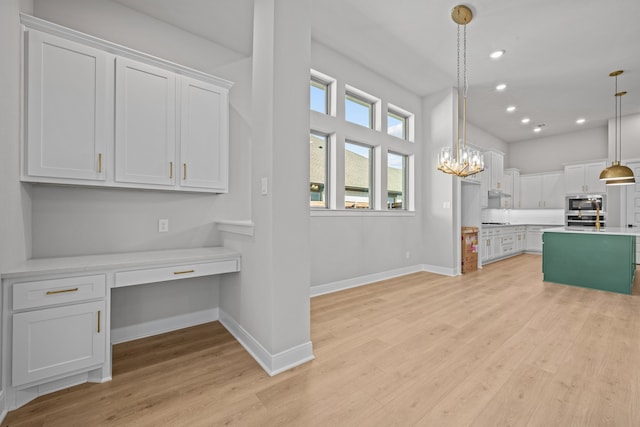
x,y
459,159
617,174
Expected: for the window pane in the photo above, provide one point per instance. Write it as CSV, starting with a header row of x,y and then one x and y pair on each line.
x,y
396,125
357,176
396,181
318,96
318,170
358,111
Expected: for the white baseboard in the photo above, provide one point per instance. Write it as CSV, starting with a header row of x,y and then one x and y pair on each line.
x,y
160,326
341,285
273,364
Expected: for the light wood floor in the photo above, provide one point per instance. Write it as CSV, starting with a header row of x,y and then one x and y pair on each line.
x,y
495,347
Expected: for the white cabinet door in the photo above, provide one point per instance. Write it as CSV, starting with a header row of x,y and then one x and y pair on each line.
x,y
574,179
204,136
497,171
145,124
530,191
66,109
57,341
592,172
553,195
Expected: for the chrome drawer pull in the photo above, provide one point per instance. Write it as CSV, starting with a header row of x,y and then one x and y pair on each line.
x,y
62,291
183,272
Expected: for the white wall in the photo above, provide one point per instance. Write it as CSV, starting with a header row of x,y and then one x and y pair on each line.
x,y
551,153
351,245
630,138
482,139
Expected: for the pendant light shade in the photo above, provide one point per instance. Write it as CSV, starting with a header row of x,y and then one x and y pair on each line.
x,y
459,159
617,174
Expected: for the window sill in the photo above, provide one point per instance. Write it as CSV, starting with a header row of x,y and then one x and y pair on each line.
x,y
360,213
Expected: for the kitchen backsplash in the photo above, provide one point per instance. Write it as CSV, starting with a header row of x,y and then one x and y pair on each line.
x,y
524,216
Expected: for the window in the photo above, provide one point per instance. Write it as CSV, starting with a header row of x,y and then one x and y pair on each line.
x,y
358,110
318,150
319,95
396,181
358,161
396,125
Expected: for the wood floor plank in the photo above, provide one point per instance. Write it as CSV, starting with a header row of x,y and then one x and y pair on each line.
x,y
493,347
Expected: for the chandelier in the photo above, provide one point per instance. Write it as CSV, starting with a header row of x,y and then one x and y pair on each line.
x,y
459,159
617,174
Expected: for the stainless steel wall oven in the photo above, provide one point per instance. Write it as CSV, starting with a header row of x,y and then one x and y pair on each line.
x,y
585,210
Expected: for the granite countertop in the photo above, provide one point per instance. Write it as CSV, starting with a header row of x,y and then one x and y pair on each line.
x,y
619,231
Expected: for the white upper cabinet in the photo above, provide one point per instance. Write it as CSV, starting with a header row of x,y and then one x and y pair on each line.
x,y
66,104
204,131
145,133
542,191
584,178
497,171
101,114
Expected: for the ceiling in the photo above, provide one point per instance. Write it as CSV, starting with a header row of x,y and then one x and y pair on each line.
x,y
559,53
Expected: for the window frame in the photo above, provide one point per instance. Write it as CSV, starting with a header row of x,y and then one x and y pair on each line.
x,y
360,97
327,173
371,178
408,120
405,180
329,83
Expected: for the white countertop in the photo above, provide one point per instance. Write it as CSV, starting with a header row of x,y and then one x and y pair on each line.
x,y
619,231
117,261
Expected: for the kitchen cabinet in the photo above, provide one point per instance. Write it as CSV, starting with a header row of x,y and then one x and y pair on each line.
x,y
585,178
542,191
486,245
520,239
100,114
534,238
145,143
204,135
511,180
57,328
497,170
66,107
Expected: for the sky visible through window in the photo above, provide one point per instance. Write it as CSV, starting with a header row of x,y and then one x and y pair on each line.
x,y
357,112
318,96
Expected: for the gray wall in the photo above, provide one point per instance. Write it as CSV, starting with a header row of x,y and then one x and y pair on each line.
x,y
551,153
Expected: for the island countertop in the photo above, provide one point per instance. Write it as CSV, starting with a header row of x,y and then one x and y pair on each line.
x,y
617,231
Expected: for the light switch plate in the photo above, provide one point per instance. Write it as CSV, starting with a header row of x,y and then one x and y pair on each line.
x,y
163,225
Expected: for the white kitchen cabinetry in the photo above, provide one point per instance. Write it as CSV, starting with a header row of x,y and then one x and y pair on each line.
x,y
511,187
486,245
204,132
101,114
542,191
502,242
55,330
66,127
145,141
584,178
520,239
497,170
534,238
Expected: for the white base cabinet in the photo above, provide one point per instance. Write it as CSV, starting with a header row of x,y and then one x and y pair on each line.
x,y
502,242
56,341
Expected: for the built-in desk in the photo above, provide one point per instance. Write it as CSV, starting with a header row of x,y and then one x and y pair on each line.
x,y
56,312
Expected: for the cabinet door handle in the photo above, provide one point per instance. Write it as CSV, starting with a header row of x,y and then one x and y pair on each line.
x,y
98,321
62,291
99,162
170,170
184,272
184,172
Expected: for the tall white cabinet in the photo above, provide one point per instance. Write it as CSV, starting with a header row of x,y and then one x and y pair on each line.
x,y
542,191
66,132
145,134
585,178
100,114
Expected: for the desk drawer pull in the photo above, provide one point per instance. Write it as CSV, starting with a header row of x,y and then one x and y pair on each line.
x,y
63,291
184,272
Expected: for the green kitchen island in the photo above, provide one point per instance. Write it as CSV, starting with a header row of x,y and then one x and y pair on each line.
x,y
602,259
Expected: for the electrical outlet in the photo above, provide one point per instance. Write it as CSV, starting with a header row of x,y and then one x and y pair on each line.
x,y
264,189
163,225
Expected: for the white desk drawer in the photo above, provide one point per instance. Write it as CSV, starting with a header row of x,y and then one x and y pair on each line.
x,y
163,274
43,293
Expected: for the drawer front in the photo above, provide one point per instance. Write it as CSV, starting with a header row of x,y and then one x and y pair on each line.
x,y
163,274
43,293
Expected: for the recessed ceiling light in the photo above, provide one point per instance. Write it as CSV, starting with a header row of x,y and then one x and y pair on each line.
x,y
501,86
525,120
538,129
497,54
511,108
581,120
